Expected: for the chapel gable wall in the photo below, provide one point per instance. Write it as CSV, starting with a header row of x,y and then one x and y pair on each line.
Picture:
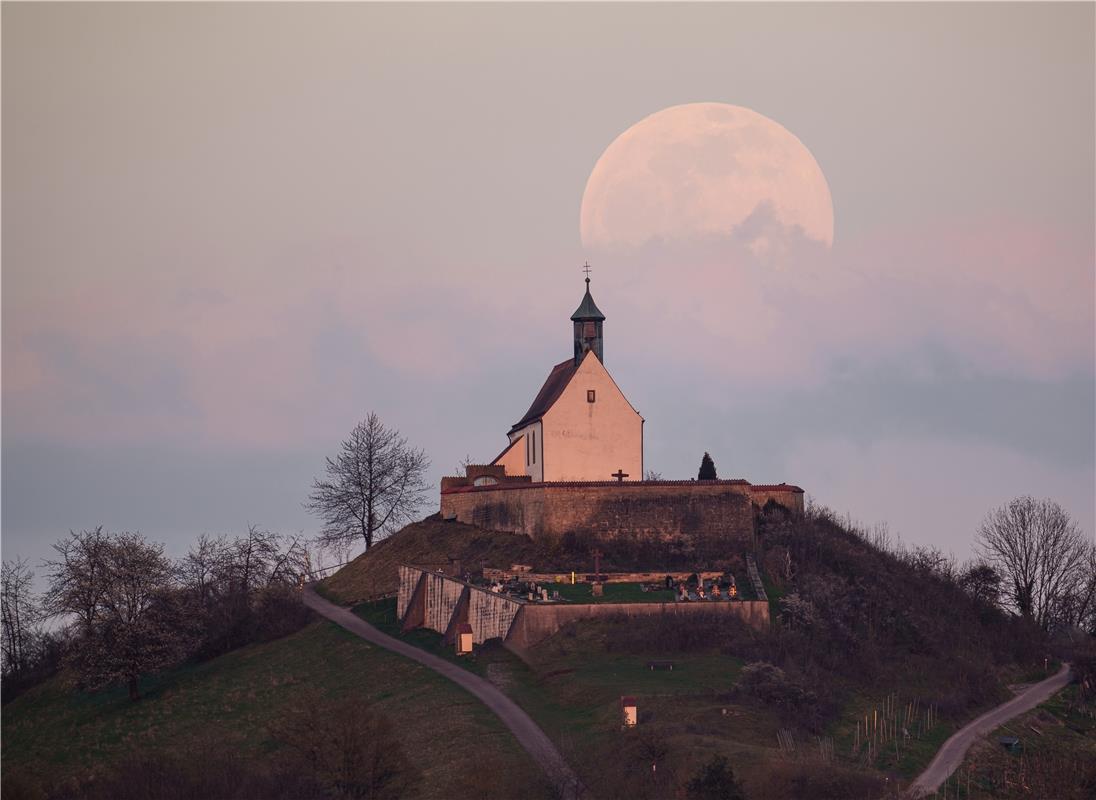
x,y
586,441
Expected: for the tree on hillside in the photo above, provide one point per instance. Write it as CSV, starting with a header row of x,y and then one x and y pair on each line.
x,y
1040,553
129,619
20,616
1077,605
707,469
714,781
982,582
375,484
243,588
347,748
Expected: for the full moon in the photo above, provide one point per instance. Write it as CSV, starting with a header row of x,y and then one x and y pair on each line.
x,y
700,170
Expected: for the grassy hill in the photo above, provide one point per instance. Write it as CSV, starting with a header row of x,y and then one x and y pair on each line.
x,y
57,739
1057,756
431,541
859,631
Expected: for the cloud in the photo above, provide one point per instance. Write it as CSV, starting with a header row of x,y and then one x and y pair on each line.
x,y
930,490
768,303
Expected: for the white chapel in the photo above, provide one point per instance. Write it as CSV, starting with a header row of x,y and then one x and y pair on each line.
x,y
580,426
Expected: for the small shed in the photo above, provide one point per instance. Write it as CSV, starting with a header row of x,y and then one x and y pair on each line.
x,y
628,711
464,639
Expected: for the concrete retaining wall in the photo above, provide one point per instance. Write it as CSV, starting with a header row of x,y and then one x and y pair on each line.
x,y
490,614
409,579
537,622
432,600
442,595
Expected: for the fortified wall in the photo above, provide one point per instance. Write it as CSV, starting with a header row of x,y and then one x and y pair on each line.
x,y
441,603
662,510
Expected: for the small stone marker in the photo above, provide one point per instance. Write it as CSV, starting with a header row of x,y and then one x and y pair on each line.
x,y
464,639
599,589
628,711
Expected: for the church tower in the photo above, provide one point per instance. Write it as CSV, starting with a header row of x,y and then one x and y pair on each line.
x,y
588,320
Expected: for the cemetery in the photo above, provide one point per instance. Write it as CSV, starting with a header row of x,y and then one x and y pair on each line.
x,y
522,608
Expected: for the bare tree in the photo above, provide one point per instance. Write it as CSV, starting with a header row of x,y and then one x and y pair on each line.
x,y
463,464
20,616
128,617
76,582
1039,552
651,475
201,570
346,747
374,484
1077,605
237,586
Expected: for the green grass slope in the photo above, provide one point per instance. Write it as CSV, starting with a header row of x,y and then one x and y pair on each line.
x,y
430,541
1057,757
857,631
56,734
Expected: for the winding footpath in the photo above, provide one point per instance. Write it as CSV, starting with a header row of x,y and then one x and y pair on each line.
x,y
950,756
527,732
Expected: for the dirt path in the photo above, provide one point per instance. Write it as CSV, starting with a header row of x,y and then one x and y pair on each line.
x,y
950,756
527,732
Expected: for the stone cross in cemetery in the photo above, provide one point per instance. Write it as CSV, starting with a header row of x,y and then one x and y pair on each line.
x,y
620,475
597,564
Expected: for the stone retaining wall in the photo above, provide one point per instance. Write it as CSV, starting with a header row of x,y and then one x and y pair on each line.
x,y
663,510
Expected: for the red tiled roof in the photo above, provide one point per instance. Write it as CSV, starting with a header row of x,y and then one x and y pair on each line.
x,y
553,387
776,487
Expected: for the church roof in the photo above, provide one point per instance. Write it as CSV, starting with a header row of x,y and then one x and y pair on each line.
x,y
553,387
587,309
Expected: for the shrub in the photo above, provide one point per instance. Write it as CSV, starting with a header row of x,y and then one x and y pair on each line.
x,y
714,781
347,748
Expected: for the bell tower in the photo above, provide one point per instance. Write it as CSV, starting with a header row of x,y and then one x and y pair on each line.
x,y
588,320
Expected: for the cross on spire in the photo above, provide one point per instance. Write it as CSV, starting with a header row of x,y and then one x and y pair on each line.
x,y
586,269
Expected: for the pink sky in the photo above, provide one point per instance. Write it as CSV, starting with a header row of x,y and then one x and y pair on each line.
x,y
231,231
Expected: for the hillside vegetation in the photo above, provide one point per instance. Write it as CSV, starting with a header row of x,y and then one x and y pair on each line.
x,y
1057,755
213,729
431,541
859,630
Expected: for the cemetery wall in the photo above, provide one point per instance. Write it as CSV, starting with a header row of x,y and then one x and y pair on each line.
x,y
409,580
432,600
442,596
646,509
537,622
490,614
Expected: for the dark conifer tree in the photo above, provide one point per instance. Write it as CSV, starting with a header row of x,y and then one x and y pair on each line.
x,y
707,469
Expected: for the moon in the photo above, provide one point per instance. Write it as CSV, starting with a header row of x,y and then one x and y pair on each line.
x,y
699,171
